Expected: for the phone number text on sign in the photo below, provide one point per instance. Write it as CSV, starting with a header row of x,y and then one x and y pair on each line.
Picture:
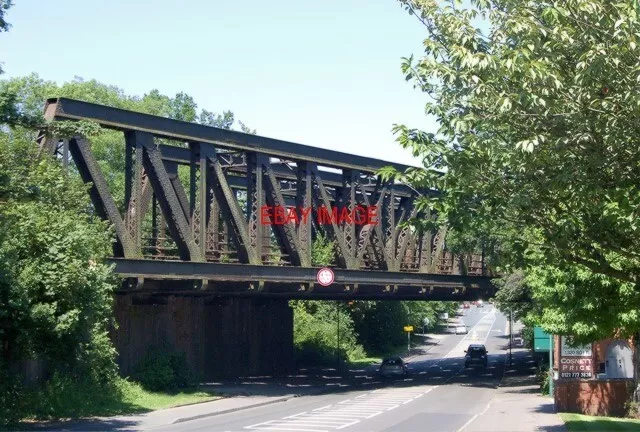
x,y
575,351
576,368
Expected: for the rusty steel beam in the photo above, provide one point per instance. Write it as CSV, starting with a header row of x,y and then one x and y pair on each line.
x,y
114,118
181,155
179,270
100,197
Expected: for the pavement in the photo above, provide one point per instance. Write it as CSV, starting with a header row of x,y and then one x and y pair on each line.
x,y
439,395
518,405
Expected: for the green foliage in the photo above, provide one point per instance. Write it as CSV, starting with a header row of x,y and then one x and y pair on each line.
x,y
55,292
4,6
543,378
536,150
164,370
84,128
64,397
632,409
22,101
323,251
575,301
316,332
514,295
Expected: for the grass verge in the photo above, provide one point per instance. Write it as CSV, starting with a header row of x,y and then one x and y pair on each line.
x,y
364,362
584,423
145,400
67,400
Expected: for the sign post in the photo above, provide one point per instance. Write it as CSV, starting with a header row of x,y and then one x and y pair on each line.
x,y
408,329
551,375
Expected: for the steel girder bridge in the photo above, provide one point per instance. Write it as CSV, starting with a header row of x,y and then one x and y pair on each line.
x,y
191,220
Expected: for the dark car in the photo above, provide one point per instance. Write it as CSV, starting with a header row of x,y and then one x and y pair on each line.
x,y
476,354
393,366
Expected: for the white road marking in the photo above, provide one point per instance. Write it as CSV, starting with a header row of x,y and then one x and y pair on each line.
x,y
474,417
345,413
352,411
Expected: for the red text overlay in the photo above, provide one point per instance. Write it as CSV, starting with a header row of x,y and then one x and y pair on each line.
x,y
279,215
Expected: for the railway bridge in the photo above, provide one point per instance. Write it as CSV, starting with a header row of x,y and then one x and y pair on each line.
x,y
216,228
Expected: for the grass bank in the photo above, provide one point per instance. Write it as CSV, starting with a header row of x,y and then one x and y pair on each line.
x,y
74,400
583,423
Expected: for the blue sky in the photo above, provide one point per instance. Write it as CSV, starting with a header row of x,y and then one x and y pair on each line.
x,y
323,73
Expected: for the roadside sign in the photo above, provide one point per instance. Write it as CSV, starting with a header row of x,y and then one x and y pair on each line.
x,y
325,276
575,361
541,340
408,328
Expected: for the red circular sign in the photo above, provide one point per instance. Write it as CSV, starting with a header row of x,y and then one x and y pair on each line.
x,y
325,276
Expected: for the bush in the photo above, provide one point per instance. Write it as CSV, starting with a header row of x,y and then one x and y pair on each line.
x,y
632,409
543,377
11,399
315,333
163,370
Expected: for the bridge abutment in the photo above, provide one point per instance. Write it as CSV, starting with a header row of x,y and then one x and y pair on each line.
x,y
221,338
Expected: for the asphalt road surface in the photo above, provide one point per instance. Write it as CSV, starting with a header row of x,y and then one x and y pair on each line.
x,y
439,395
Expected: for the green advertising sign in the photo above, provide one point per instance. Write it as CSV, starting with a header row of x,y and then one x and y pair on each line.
x,y
541,340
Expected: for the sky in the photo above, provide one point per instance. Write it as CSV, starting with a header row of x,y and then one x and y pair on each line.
x,y
322,73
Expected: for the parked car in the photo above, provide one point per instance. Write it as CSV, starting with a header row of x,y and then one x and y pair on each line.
x,y
476,354
393,367
461,329
466,305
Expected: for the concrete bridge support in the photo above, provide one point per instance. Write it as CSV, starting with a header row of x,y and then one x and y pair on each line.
x,y
221,338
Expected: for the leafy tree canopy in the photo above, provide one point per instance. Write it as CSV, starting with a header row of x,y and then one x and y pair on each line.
x,y
537,143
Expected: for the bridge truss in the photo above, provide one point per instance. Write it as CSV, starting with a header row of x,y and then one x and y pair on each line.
x,y
192,216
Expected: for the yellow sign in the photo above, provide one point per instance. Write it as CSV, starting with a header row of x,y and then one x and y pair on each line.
x,y
408,328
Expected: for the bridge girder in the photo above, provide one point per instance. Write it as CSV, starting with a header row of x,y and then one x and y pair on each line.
x,y
173,227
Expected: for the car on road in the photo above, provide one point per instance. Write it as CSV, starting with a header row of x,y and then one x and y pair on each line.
x,y
393,367
461,329
466,306
476,354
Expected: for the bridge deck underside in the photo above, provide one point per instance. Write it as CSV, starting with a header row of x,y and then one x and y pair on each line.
x,y
192,216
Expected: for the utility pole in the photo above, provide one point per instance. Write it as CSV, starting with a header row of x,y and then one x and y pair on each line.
x,y
510,335
338,319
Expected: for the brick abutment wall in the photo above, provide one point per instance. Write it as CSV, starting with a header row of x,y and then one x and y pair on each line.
x,y
221,338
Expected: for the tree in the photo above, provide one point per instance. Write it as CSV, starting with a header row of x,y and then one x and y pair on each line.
x,y
537,123
537,126
4,6
55,292
537,147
